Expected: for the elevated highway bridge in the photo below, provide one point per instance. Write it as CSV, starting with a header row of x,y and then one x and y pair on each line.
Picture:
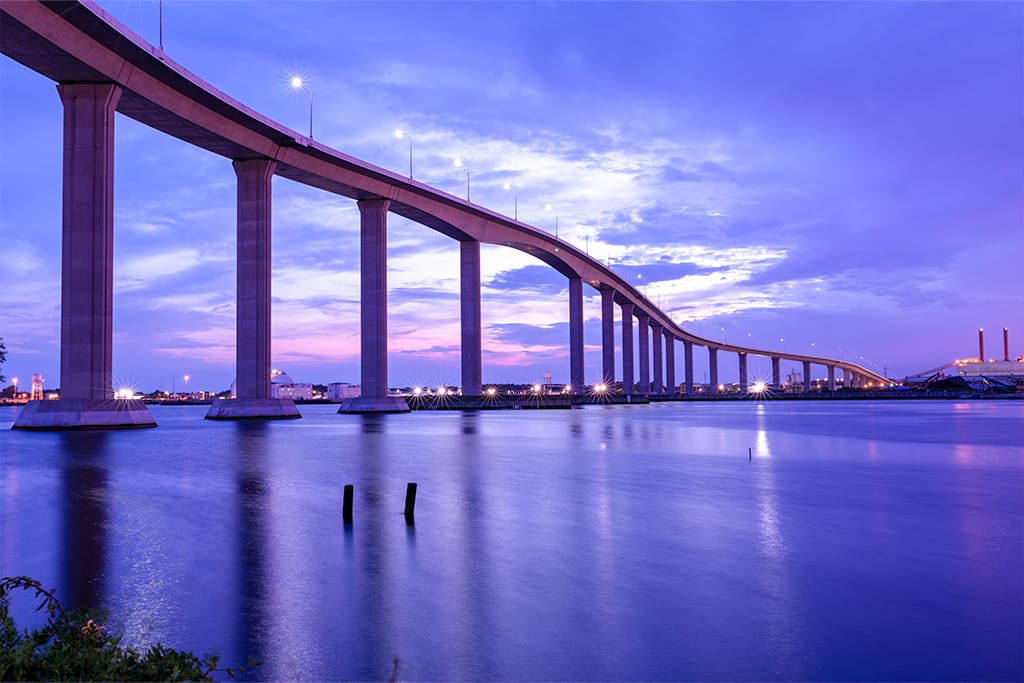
x,y
100,67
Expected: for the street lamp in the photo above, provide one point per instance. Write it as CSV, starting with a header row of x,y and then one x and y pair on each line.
x,y
547,207
515,201
14,381
399,133
458,164
298,83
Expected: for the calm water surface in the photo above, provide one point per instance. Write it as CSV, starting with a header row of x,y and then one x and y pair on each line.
x,y
862,540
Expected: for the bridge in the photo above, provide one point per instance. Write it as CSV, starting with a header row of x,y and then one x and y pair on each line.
x,y
101,68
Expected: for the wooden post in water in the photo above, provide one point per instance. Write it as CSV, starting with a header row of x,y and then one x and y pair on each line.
x,y
410,500
346,506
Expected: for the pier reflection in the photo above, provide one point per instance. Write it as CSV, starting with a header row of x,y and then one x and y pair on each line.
x,y
84,482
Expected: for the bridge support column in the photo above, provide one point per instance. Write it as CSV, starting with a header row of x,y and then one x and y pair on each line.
x,y
807,376
743,372
608,336
472,336
776,373
713,368
670,363
472,333
688,366
373,313
846,379
252,292
576,334
831,378
656,346
628,379
87,273
644,351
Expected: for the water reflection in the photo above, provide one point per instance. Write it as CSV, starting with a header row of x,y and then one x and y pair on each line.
x,y
250,439
84,480
778,597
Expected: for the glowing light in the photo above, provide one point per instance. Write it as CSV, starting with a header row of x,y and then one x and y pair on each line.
x,y
124,393
416,391
399,133
491,391
568,389
507,186
600,388
758,388
297,82
536,388
441,391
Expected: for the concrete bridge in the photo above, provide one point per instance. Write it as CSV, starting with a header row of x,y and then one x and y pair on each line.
x,y
100,67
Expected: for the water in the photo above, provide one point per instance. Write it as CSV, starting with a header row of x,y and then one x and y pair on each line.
x,y
861,540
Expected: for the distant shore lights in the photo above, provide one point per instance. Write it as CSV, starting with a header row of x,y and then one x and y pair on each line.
x,y
298,83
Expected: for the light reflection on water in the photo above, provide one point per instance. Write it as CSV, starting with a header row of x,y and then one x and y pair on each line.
x,y
858,540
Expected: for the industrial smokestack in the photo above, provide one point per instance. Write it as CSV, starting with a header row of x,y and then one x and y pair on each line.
x,y
981,344
1006,344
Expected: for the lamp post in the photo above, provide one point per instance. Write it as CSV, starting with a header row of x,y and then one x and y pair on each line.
x,y
515,201
298,83
458,164
14,381
399,133
547,207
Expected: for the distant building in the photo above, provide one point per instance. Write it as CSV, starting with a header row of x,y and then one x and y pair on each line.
x,y
993,368
283,386
339,391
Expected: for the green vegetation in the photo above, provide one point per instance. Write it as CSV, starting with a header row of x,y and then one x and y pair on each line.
x,y
76,646
3,357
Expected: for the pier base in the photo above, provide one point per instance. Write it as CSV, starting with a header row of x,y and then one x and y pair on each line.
x,y
253,409
363,404
85,413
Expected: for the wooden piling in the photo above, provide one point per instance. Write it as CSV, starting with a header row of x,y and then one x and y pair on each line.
x,y
346,506
410,500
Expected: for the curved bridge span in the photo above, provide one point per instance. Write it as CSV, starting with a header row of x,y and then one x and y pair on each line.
x,y
101,68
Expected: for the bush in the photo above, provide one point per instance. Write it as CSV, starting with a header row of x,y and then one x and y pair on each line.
x,y
76,646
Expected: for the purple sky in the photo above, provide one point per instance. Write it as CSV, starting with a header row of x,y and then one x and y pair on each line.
x,y
847,178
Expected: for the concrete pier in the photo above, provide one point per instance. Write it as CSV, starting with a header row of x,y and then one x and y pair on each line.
x,y
776,373
644,351
576,334
743,372
807,375
628,378
373,308
658,386
670,363
252,322
472,332
688,366
87,273
713,368
608,335
831,378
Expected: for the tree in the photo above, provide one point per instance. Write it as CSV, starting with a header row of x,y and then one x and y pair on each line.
x,y
3,357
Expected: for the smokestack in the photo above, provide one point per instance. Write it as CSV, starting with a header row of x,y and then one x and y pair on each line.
x,y
981,344
1006,344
